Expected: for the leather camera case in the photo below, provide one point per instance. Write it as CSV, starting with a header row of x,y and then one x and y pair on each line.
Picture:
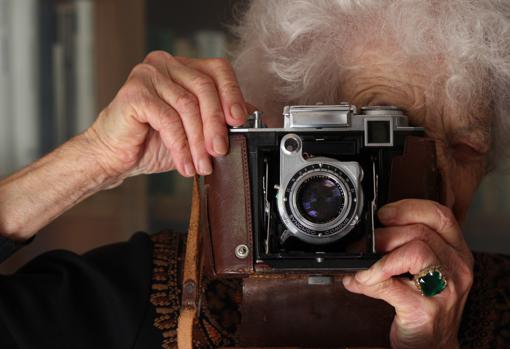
x,y
414,174
286,309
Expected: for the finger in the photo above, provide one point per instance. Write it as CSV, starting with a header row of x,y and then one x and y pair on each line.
x,y
187,106
412,258
399,293
213,118
183,102
225,79
155,146
437,217
388,239
391,238
164,119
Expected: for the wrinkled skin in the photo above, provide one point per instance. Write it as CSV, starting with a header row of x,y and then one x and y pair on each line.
x,y
420,233
172,112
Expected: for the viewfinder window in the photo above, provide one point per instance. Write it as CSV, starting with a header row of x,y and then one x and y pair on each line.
x,y
378,133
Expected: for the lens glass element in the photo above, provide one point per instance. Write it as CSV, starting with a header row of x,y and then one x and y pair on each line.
x,y
320,199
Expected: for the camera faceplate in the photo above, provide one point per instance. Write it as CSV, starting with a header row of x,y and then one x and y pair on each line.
x,y
336,190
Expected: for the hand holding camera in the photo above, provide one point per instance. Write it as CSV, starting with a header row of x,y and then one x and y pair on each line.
x,y
172,113
419,234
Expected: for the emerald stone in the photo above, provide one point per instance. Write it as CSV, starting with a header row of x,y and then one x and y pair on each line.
x,y
432,283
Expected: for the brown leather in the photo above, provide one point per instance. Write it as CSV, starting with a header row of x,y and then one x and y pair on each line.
x,y
229,209
207,254
414,174
284,310
191,274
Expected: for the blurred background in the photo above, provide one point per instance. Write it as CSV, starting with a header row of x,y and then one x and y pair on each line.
x,y
62,61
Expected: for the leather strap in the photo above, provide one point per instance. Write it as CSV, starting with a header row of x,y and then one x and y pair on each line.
x,y
191,274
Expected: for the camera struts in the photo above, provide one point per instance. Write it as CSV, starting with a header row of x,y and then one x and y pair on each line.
x,y
267,206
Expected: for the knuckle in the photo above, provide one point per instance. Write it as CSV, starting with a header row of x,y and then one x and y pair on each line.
x,y
418,248
231,88
385,287
186,103
144,69
157,56
469,260
466,276
386,267
166,117
432,313
417,254
219,63
179,144
420,232
215,122
468,282
422,318
203,83
133,91
445,217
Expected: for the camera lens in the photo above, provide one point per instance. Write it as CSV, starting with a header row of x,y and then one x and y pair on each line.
x,y
320,199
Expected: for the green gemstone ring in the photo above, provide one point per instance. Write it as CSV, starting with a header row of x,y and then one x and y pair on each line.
x,y
430,281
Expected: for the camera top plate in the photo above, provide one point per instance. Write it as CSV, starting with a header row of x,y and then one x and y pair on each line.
x,y
331,118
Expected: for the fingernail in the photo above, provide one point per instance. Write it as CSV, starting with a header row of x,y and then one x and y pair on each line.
x,y
189,169
237,112
220,145
363,276
387,213
204,167
347,280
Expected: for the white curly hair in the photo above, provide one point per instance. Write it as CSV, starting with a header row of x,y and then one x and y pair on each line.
x,y
292,51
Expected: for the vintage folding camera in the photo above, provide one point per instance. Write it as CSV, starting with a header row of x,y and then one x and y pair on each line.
x,y
304,197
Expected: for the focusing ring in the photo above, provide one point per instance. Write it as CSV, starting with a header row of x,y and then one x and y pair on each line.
x,y
334,229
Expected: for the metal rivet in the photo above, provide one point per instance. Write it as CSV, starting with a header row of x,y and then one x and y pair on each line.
x,y
242,251
189,287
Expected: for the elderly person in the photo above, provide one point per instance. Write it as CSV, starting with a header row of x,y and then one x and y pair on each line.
x,y
447,63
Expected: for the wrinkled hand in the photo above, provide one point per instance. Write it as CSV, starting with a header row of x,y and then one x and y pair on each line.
x,y
418,234
171,113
